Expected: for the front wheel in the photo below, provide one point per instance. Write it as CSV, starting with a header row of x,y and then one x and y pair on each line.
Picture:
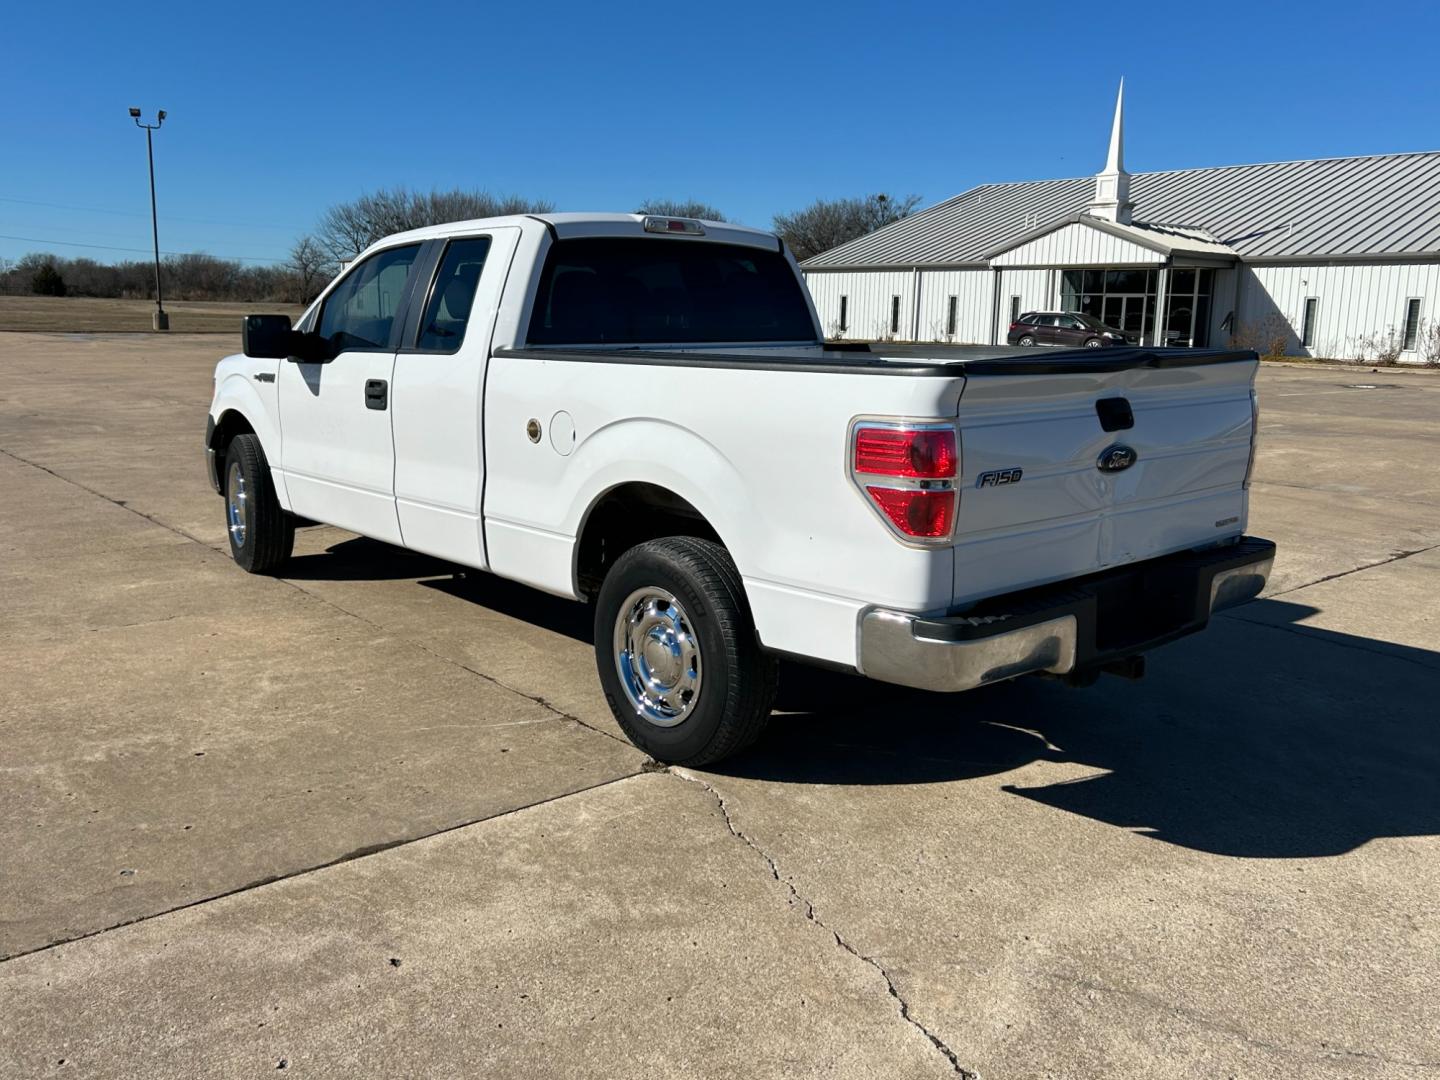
x,y
1093,343
262,535
677,654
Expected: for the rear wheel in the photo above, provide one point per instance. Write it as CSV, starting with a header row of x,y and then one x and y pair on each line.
x,y
1093,343
261,534
677,654
1027,341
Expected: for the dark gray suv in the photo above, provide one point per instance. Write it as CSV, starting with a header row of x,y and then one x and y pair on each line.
x,y
1067,329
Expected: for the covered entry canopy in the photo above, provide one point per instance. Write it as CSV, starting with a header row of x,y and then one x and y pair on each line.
x,y
1155,282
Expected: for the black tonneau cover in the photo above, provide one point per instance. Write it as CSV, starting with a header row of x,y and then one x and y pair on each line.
x,y
884,359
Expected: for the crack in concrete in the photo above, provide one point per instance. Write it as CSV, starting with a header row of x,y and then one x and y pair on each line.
x,y
1332,637
101,495
1210,1023
362,852
1396,557
414,643
808,910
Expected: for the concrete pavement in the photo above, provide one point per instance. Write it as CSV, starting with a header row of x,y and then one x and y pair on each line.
x,y
231,804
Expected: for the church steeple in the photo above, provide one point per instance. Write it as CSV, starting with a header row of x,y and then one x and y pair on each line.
x,y
1112,184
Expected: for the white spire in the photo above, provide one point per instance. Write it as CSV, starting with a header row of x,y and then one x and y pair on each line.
x,y
1112,184
1115,160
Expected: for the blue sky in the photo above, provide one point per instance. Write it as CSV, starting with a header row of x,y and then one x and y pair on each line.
x,y
278,111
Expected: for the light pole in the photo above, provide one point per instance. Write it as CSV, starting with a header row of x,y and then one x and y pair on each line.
x,y
161,321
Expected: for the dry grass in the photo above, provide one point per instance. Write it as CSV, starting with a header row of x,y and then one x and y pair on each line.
x,y
91,315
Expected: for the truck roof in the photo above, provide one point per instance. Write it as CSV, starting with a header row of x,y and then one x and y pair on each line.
x,y
568,225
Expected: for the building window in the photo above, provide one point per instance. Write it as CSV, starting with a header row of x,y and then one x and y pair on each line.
x,y
1307,324
894,315
951,314
1014,310
844,313
1412,324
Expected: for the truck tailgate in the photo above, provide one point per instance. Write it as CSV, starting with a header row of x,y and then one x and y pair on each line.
x,y
1037,506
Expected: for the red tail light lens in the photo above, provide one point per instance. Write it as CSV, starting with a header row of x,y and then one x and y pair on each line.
x,y
908,471
926,515
919,453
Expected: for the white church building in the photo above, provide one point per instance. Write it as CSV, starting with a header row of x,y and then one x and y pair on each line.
x,y
1335,257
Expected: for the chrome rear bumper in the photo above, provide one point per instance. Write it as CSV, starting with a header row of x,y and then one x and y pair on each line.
x,y
1066,628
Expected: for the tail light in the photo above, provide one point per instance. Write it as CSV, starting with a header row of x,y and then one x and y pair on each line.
x,y
907,473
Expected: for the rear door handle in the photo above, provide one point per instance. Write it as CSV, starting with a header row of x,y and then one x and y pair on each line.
x,y
377,393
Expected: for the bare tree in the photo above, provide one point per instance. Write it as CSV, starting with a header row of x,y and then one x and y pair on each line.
x,y
690,208
826,224
347,229
1430,343
1270,336
311,266
1381,349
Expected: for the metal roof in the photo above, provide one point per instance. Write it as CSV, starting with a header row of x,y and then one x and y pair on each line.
x,y
1165,239
1333,207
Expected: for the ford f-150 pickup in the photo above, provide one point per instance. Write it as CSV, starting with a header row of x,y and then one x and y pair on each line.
x,y
641,412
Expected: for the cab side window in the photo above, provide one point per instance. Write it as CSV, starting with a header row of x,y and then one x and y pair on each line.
x,y
361,310
447,313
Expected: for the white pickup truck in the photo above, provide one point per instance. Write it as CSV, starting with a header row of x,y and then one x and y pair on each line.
x,y
641,412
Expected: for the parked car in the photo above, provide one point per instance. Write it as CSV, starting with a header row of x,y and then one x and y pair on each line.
x,y
641,412
1068,329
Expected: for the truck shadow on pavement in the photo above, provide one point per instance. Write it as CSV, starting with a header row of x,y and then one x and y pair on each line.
x,y
1257,738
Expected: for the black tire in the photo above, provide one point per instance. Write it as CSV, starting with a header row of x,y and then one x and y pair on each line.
x,y
1093,343
738,682
268,534
1027,341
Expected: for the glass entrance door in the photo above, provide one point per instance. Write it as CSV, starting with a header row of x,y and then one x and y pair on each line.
x,y
1129,312
1121,297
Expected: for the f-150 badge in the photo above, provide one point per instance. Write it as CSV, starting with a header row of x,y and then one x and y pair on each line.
x,y
996,477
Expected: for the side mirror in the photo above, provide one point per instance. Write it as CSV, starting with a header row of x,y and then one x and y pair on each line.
x,y
271,337
266,336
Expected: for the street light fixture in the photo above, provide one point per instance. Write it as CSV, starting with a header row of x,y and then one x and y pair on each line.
x,y
161,321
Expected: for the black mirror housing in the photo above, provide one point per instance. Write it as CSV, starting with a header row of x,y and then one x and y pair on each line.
x,y
270,337
266,336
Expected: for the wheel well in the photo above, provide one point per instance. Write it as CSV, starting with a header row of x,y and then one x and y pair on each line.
x,y
628,515
231,424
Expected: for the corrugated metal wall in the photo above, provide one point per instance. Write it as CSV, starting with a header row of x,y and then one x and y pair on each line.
x,y
870,294
1035,288
1355,303
1078,245
972,290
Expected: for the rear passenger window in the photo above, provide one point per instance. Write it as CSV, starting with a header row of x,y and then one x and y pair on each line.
x,y
447,312
361,310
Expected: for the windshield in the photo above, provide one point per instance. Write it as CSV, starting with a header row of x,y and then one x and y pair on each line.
x,y
638,291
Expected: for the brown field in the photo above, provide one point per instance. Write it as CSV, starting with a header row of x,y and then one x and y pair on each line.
x,y
92,315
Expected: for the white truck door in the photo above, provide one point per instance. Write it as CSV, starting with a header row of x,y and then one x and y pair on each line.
x,y
437,400
337,450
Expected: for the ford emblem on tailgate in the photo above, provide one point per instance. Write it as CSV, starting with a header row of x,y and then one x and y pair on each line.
x,y
1116,459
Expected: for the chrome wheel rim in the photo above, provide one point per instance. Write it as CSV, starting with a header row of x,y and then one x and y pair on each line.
x,y
657,656
1092,344
237,505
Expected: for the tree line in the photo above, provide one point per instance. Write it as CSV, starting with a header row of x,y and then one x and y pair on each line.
x,y
346,229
